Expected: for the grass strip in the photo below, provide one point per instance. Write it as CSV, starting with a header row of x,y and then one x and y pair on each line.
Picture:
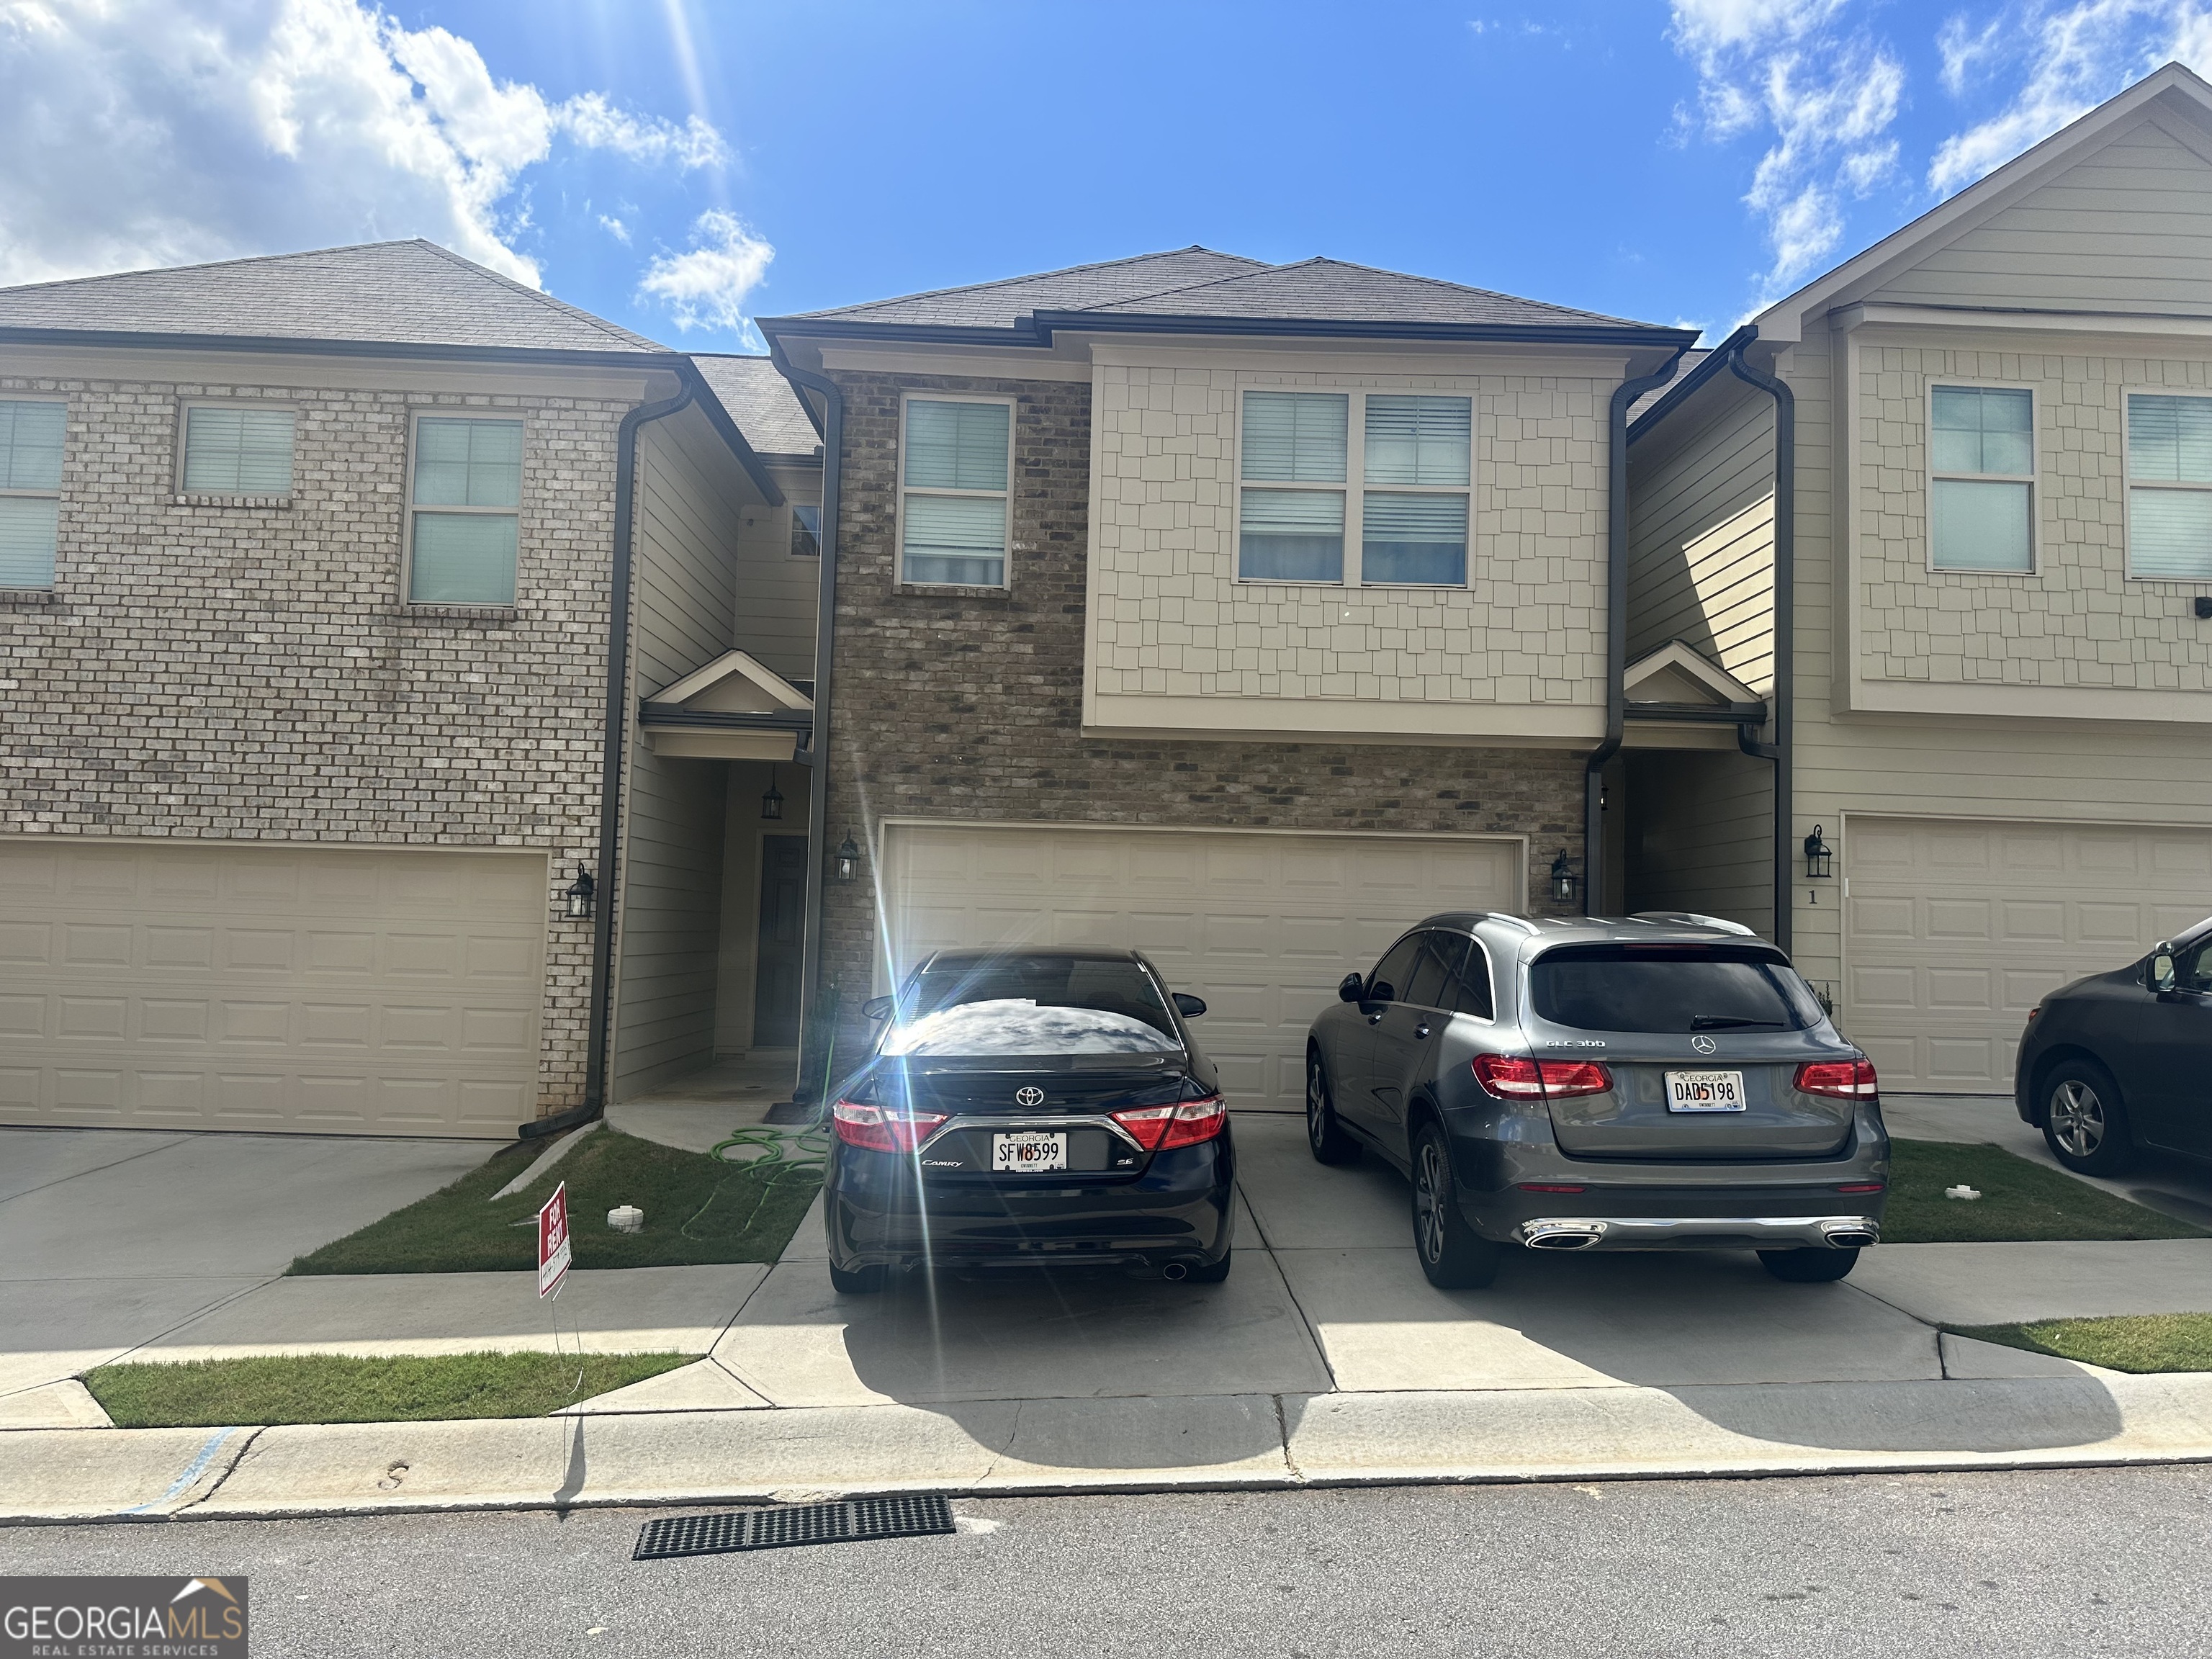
x,y
2128,1342
2020,1200
697,1210
326,1387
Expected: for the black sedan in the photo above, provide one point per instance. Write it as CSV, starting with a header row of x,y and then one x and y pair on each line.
x,y
2121,1062
1029,1108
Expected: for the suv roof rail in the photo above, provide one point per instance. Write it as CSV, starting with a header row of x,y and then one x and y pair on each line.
x,y
1691,919
1521,922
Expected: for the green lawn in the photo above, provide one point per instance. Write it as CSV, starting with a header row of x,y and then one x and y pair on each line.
x,y
326,1387
697,1209
2019,1200
2133,1342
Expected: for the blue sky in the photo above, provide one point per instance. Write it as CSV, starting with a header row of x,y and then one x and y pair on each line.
x,y
681,166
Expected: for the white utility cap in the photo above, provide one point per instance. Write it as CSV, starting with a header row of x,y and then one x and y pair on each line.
x,y
1960,1191
626,1219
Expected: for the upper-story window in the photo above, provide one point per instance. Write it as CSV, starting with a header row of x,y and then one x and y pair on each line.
x,y
2169,487
463,510
958,456
1981,483
1302,481
30,490
237,452
805,530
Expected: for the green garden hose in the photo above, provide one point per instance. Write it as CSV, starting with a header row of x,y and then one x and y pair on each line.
x,y
787,1157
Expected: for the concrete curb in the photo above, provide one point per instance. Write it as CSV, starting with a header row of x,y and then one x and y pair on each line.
x,y
1051,1447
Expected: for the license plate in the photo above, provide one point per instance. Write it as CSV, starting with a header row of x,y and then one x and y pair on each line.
x,y
1705,1091
1040,1150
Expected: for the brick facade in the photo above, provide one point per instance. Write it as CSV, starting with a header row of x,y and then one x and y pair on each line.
x,y
967,703
248,672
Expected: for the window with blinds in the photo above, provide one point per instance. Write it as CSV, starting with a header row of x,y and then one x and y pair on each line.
x,y
465,503
238,452
1405,484
2169,487
956,462
30,490
1982,480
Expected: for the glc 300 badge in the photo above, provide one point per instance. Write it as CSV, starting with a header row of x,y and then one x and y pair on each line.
x,y
1028,1095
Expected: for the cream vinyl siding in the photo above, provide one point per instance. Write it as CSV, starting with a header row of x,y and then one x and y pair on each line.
x,y
1261,925
776,590
387,991
1953,930
1699,838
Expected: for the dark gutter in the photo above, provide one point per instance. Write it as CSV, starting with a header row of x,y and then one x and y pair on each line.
x,y
810,1015
1708,366
1037,331
1616,622
539,355
601,1008
1714,714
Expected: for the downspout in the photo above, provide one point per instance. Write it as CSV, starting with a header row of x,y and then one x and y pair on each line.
x,y
1781,751
811,1014
610,769
1616,629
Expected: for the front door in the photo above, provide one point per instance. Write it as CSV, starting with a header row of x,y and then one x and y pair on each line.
x,y
782,933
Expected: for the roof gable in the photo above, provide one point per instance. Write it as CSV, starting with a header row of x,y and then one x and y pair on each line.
x,y
412,293
1680,674
735,682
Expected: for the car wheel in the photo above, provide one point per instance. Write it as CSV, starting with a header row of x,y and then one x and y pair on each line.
x,y
1210,1275
1453,1254
1820,1267
859,1281
1329,1140
2084,1124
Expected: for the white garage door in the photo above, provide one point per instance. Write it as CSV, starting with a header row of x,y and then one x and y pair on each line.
x,y
1953,932
1261,925
302,989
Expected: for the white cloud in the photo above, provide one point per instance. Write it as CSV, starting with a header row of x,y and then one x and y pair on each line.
x,y
1828,93
151,132
615,228
707,286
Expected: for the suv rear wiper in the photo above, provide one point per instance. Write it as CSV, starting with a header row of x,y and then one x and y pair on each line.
x,y
1718,1022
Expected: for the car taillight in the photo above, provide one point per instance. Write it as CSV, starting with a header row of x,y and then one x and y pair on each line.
x,y
875,1130
1162,1128
1860,1187
1839,1079
1515,1077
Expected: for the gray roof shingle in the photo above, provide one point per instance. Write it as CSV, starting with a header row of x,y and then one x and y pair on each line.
x,y
764,404
997,305
1332,290
1690,361
412,293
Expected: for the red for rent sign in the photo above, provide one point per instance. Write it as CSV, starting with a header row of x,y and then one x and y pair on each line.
x,y
553,1242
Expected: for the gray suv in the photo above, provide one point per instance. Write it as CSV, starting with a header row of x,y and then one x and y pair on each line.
x,y
1664,1081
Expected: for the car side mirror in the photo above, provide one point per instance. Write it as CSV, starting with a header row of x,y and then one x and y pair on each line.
x,y
2161,967
1188,1006
876,1008
1351,988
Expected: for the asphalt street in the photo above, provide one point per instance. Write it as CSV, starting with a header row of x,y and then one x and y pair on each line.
x,y
2070,1561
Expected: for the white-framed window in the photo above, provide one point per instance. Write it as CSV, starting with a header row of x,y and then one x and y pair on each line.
x,y
955,466
805,530
2169,487
1981,484
464,497
232,450
30,489
1302,483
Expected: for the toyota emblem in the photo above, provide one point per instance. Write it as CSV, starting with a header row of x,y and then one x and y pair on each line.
x,y
1030,1095
1704,1045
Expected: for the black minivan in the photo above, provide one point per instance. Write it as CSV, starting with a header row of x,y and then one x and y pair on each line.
x,y
1028,1109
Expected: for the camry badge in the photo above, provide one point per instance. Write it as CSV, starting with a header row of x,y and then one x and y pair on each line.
x,y
1028,1095
1704,1045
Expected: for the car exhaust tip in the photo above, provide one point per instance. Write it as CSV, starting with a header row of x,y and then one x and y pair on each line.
x,y
1561,1235
1175,1270
1852,1238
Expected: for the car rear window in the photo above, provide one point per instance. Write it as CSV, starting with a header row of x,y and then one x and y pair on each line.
x,y
1032,1005
1670,988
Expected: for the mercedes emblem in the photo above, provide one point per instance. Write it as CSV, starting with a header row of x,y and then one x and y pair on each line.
x,y
1030,1095
1704,1045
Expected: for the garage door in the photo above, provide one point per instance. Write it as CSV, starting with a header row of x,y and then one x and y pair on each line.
x,y
302,989
1261,925
1952,931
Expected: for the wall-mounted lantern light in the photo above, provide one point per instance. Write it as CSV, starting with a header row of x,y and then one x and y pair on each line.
x,y
849,860
1820,862
772,802
579,894
1563,879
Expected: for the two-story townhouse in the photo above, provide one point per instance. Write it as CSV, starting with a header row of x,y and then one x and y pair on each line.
x,y
1971,467
312,571
1241,613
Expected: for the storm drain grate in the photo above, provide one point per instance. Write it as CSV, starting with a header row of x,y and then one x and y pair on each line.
x,y
853,1521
